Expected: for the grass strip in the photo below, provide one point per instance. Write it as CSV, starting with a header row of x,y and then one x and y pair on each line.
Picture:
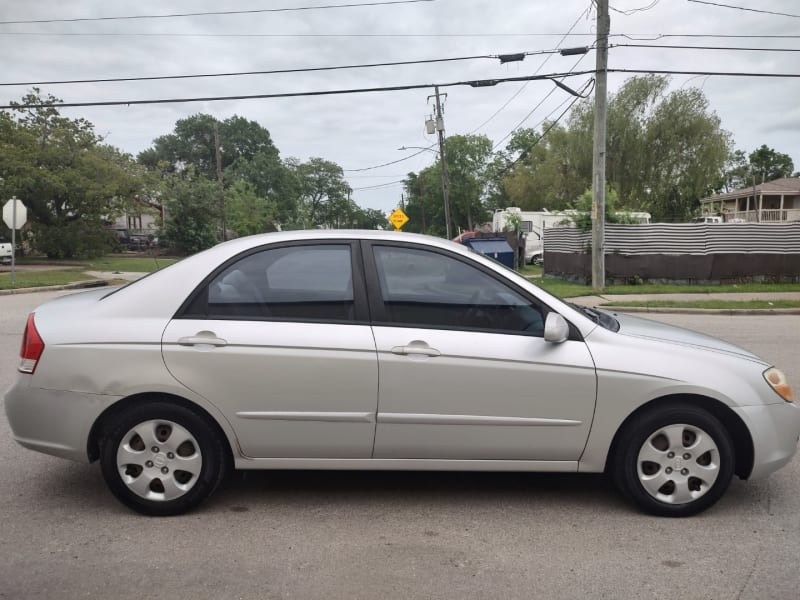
x,y
43,278
708,304
566,289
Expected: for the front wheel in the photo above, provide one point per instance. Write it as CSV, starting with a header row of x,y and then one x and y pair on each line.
x,y
162,459
674,461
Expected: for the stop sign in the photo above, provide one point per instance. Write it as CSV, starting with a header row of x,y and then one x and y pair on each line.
x,y
12,220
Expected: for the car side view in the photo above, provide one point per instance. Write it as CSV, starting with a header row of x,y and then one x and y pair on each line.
x,y
382,350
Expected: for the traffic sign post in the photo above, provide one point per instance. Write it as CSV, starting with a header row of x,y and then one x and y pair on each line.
x,y
398,218
15,215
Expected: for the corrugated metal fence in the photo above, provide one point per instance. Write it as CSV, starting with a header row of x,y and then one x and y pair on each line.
x,y
682,238
680,250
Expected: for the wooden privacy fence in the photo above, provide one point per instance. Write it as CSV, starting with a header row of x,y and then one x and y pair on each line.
x,y
680,251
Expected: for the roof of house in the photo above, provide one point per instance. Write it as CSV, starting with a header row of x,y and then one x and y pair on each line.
x,y
785,185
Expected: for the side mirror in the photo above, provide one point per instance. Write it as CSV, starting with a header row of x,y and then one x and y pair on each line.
x,y
556,329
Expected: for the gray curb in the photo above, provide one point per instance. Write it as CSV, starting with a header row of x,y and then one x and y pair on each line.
x,y
78,285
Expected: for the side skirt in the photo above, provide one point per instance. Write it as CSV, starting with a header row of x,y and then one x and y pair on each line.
x,y
396,464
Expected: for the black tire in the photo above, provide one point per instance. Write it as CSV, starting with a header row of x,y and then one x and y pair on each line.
x,y
668,435
183,463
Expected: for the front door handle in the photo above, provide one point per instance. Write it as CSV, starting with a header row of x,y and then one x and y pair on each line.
x,y
202,338
416,348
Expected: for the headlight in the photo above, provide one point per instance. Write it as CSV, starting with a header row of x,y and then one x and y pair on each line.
x,y
777,381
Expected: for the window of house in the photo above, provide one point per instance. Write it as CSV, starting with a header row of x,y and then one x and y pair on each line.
x,y
428,289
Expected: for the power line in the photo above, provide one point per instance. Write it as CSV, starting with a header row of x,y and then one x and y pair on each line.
x,y
479,83
676,47
394,162
214,13
539,68
534,109
632,11
631,36
756,10
527,151
710,73
277,71
379,186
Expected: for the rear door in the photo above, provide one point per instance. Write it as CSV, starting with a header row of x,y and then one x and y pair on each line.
x,y
279,339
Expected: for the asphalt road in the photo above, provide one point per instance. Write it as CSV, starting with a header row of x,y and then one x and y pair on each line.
x,y
394,535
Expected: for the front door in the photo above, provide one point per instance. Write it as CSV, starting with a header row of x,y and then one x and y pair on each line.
x,y
464,370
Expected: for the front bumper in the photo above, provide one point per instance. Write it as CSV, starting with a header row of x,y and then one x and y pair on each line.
x,y
775,429
53,421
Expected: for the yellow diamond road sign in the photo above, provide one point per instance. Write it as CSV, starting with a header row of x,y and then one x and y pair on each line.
x,y
398,218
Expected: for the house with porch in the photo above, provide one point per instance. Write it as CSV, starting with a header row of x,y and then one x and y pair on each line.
x,y
775,201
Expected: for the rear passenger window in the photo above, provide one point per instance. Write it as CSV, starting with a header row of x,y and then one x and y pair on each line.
x,y
304,283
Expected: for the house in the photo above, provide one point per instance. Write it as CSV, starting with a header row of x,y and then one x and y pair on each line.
x,y
142,217
771,202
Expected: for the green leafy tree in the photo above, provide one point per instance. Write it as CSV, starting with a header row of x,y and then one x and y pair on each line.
x,y
72,183
247,212
665,150
468,166
768,165
193,215
192,143
322,195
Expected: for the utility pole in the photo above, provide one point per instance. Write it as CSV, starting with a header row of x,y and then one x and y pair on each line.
x,y
439,123
599,153
221,186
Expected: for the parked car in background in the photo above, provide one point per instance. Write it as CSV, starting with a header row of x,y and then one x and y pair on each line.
x,y
707,219
6,252
384,350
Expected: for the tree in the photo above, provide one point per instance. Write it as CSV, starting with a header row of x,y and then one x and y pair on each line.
x,y
323,196
665,151
247,212
769,164
192,143
72,183
468,160
193,217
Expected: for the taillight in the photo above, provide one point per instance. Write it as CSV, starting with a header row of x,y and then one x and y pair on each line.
x,y
32,347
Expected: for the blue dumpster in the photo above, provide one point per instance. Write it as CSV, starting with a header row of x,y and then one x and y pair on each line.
x,y
496,248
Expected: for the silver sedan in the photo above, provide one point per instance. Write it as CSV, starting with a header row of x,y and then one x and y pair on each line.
x,y
379,350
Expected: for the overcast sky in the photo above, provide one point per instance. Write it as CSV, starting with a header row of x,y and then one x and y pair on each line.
x,y
364,130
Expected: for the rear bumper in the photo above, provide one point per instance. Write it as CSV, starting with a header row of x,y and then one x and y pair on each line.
x,y
775,429
51,421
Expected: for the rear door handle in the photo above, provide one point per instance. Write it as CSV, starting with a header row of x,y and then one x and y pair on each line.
x,y
203,338
416,348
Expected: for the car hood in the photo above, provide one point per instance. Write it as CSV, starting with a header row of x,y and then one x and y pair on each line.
x,y
653,330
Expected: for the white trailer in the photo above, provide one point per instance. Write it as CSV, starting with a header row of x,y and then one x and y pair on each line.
x,y
534,222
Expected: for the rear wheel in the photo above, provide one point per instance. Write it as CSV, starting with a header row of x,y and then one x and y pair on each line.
x,y
162,459
674,461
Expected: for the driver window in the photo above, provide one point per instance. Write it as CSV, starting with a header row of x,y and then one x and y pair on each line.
x,y
428,289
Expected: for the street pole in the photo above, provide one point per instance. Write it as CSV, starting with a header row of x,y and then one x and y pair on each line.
x,y
221,186
14,242
599,153
445,180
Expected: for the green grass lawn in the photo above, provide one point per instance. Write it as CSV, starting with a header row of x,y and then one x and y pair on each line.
x,y
111,262
566,289
43,278
710,304
132,264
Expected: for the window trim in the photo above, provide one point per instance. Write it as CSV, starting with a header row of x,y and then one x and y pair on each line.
x,y
360,306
